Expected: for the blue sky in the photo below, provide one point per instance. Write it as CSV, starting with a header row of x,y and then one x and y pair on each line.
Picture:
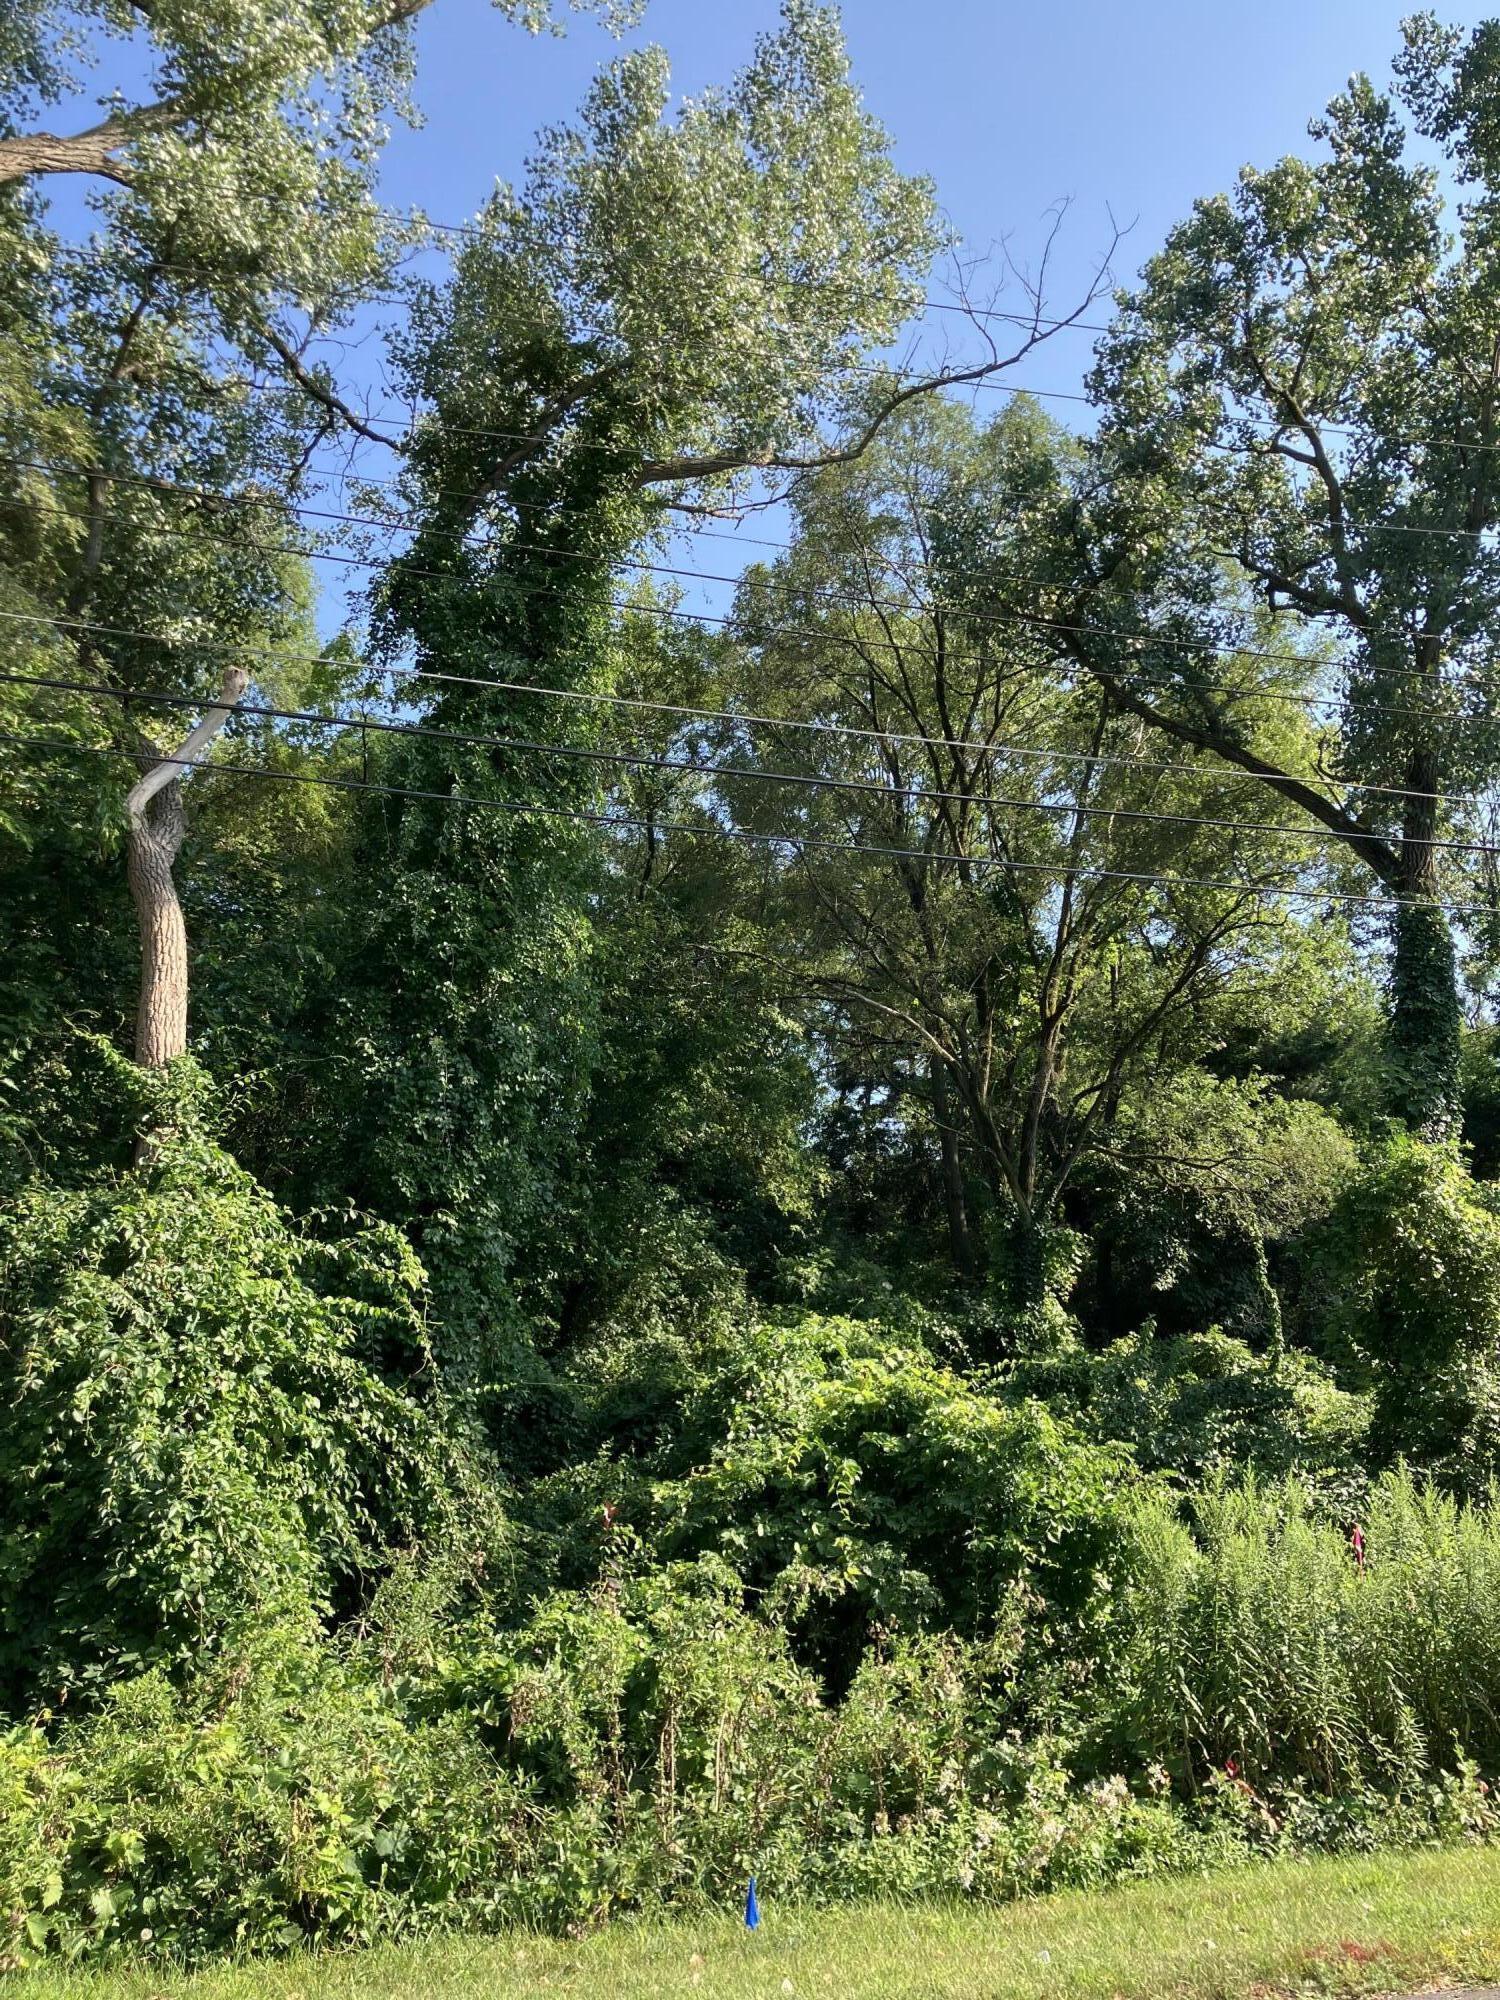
x,y
1125,111
1128,110
1135,108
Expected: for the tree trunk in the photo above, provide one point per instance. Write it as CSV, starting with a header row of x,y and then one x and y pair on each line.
x,y
152,844
154,830
960,1245
1025,1272
1425,1017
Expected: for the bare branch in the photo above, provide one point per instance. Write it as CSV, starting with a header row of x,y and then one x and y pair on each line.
x,y
663,471
320,392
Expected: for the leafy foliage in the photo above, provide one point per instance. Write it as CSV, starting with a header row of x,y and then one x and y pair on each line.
x,y
869,1130
1410,1263
210,1418
855,1486
1204,1404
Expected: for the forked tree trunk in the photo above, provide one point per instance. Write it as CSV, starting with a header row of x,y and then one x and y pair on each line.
x,y
154,830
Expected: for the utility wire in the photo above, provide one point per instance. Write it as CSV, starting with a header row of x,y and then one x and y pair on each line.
x,y
1029,621
1041,325
158,483
400,426
648,760
800,842
737,718
408,425
1043,328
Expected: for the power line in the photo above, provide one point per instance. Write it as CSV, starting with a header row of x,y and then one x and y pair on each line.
x,y
1029,621
158,483
734,717
647,760
1042,327
799,842
886,371
405,426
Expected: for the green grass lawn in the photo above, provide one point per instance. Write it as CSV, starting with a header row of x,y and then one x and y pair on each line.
x,y
1381,1924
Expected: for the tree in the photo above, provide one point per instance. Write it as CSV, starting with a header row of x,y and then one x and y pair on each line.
x,y
1049,916
669,305
234,91
1303,395
176,396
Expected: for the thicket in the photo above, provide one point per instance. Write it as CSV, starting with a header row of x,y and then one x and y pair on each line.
x,y
1247,1688
804,1599
796,1249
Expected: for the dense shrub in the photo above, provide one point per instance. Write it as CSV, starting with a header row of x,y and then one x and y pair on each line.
x,y
854,1483
207,1415
812,1604
652,1739
281,1794
1409,1271
617,1750
1205,1403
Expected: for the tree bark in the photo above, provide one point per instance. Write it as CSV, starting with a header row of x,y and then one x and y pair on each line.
x,y
95,150
151,849
960,1245
154,829
91,152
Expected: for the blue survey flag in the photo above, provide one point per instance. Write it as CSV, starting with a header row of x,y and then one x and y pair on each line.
x,y
752,1908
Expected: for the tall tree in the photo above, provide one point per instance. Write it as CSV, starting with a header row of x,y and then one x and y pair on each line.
x,y
237,99
170,391
669,305
1048,914
1304,394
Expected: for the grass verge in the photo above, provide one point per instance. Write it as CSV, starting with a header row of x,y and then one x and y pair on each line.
x,y
1381,1923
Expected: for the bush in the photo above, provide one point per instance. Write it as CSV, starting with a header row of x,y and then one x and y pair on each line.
x,y
1410,1269
851,1482
279,1796
650,1739
209,1416
620,1749
1205,1403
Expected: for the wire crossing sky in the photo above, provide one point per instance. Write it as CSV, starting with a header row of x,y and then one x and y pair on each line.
x,y
1125,116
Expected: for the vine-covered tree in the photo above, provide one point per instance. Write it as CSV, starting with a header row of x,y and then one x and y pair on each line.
x,y
669,305
1303,395
159,404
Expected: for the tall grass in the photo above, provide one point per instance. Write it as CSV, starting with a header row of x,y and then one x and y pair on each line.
x,y
1375,1924
1252,1636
